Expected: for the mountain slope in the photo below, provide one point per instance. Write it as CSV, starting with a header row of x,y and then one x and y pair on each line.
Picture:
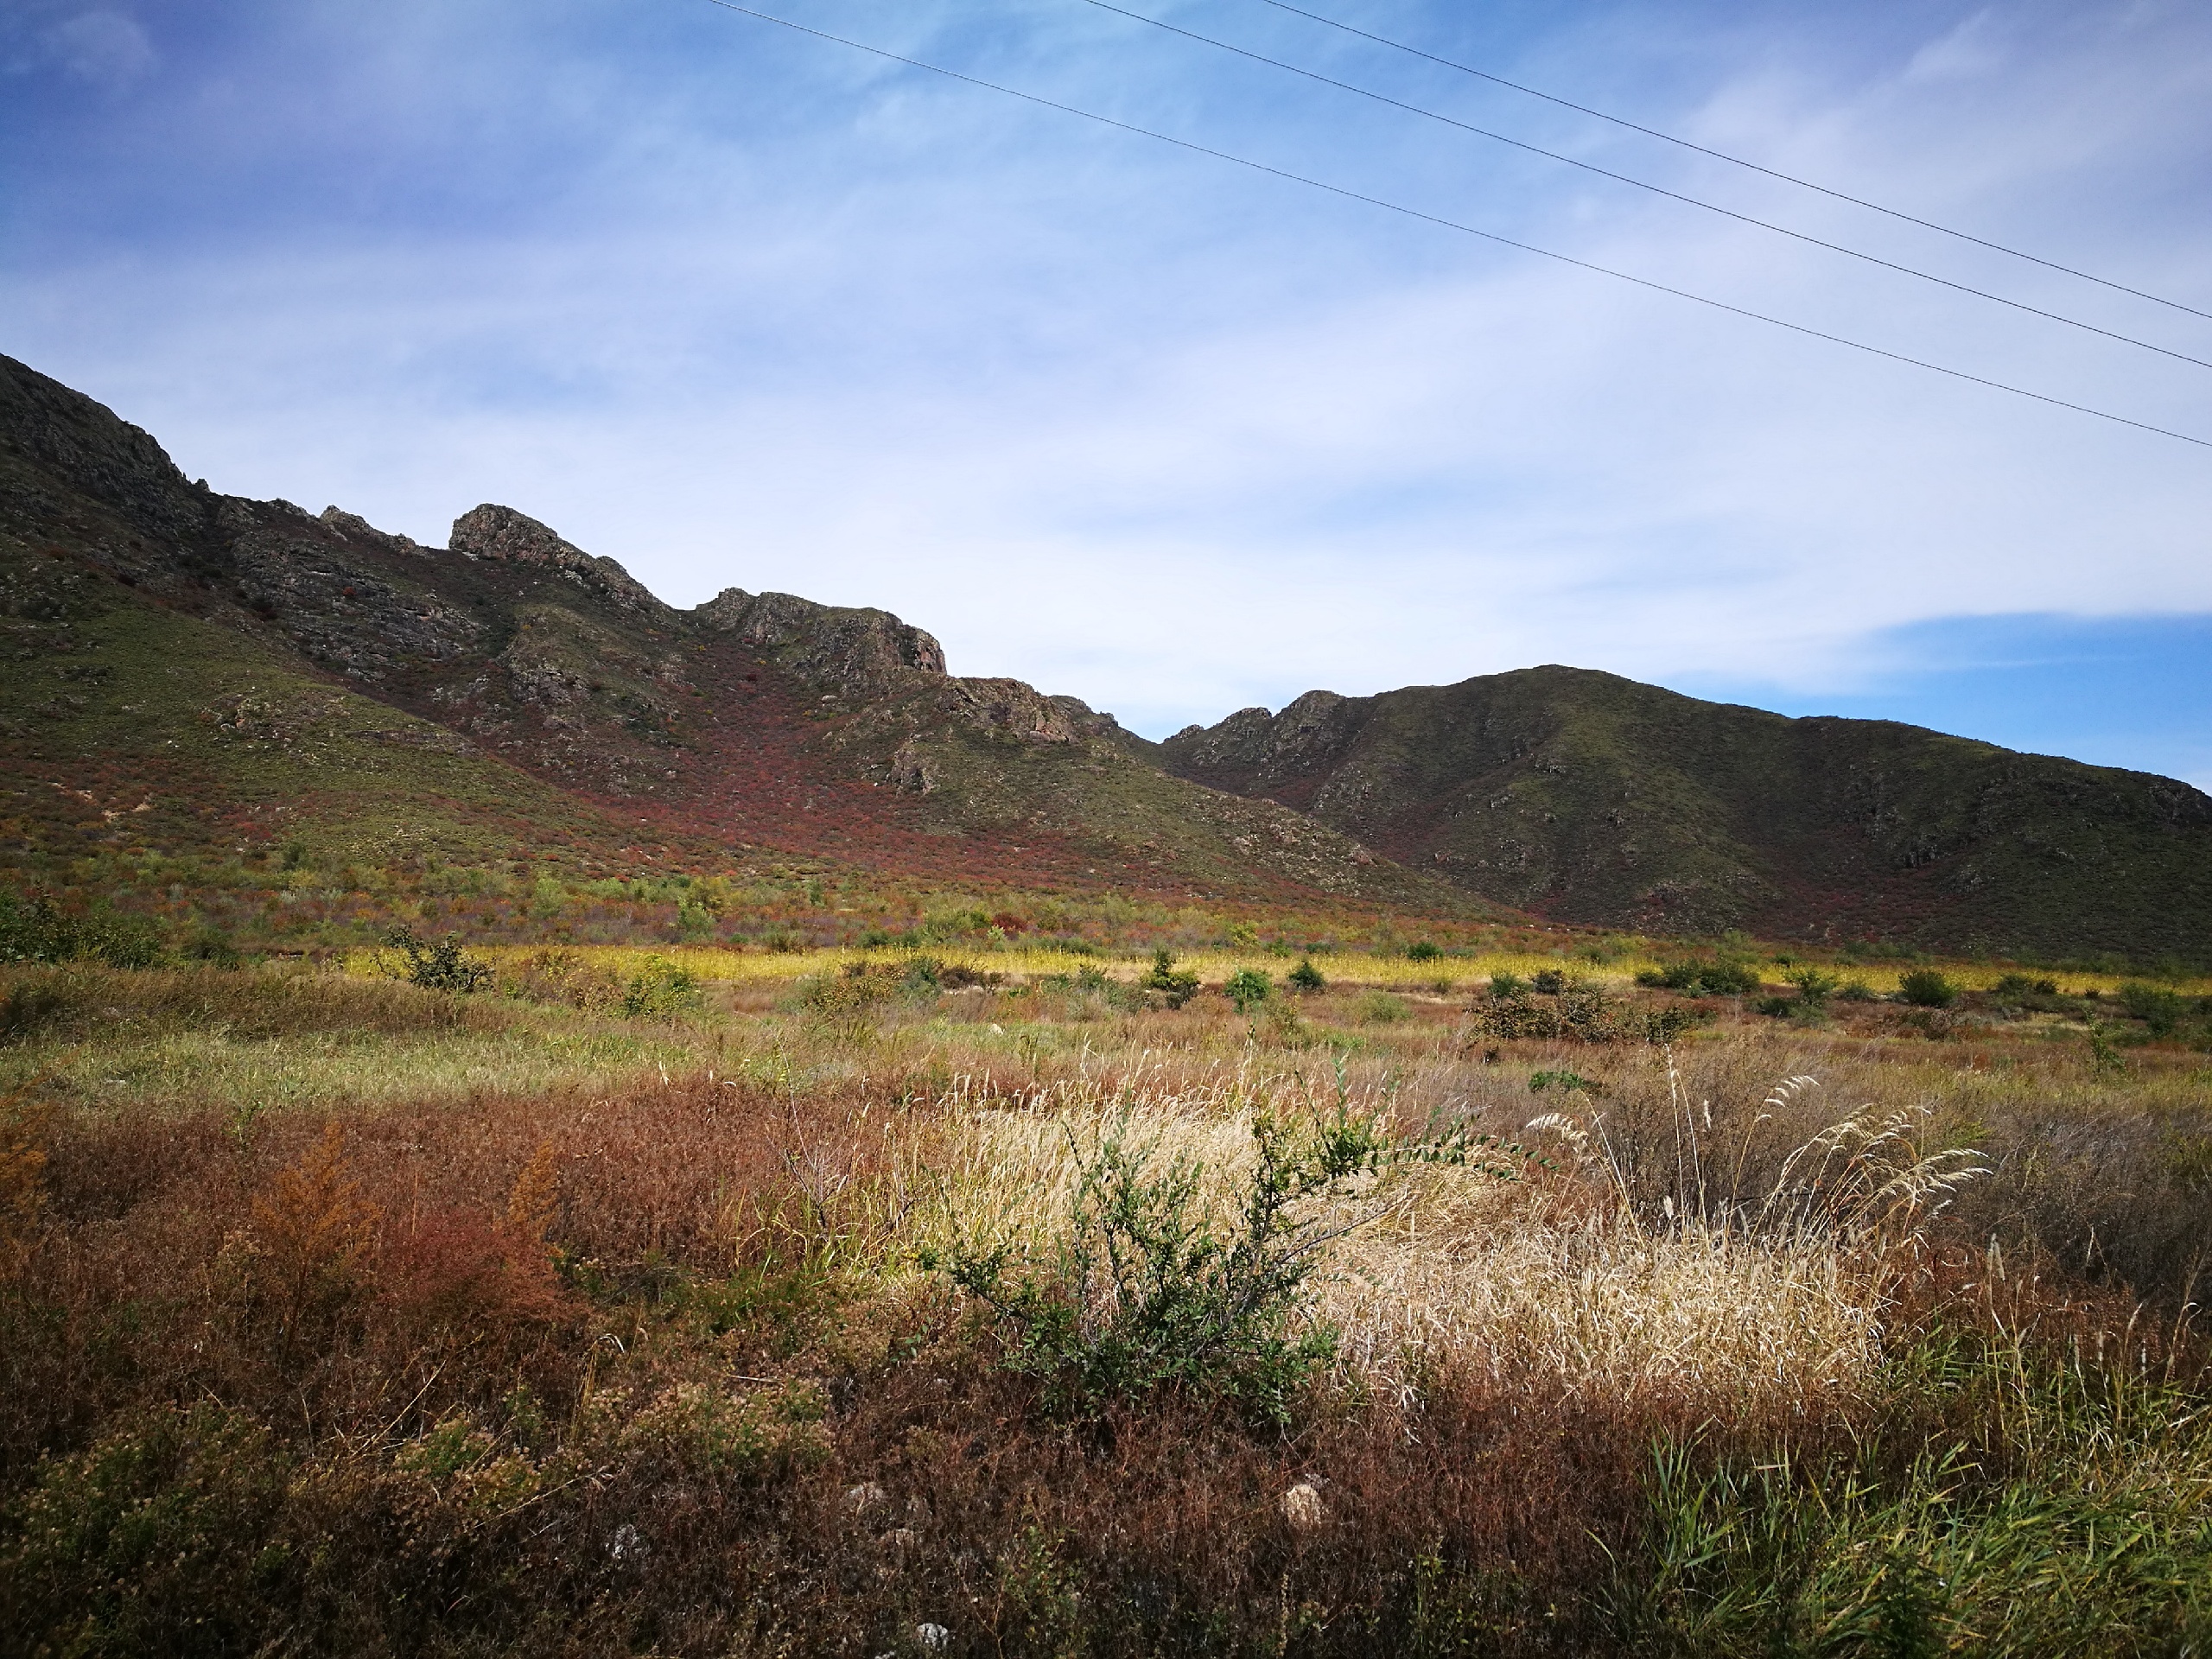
x,y
1587,798
241,657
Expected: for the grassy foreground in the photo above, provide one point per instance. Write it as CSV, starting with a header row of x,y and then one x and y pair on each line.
x,y
815,1310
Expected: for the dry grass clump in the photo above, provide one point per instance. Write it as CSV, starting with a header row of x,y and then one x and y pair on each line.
x,y
1552,1281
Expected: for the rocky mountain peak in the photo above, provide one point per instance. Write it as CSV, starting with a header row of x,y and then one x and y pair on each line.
x,y
498,533
866,652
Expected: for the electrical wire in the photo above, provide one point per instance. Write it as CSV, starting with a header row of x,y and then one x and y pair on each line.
x,y
1737,160
1453,224
1657,190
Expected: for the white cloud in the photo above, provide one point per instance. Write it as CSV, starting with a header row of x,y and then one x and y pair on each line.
x,y
1141,427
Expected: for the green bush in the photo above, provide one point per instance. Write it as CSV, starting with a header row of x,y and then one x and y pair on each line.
x,y
1550,982
439,967
1151,1290
118,1545
1177,988
1567,1083
1813,986
660,990
1381,1008
1423,951
2160,1009
32,930
1247,987
1503,985
1306,977
1924,987
1736,978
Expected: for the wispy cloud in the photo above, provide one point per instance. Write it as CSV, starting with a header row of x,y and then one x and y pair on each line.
x,y
739,307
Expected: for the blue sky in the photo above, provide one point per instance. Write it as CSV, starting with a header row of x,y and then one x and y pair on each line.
x,y
739,308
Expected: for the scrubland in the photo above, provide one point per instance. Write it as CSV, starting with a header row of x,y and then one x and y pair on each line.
x,y
1000,1306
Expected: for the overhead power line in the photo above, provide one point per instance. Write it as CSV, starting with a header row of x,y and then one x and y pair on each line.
x,y
1737,160
1453,225
1657,190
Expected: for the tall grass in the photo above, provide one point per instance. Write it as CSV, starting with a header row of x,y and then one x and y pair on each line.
x,y
472,1336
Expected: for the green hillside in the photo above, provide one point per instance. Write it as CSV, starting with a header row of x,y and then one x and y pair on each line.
x,y
251,674
1587,798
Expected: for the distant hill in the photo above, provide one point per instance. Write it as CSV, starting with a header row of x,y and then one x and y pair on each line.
x,y
204,666
183,667
1587,797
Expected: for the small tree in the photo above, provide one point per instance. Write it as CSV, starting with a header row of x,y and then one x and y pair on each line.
x,y
1813,987
660,990
1424,950
1154,1287
1926,988
1177,988
1306,977
439,967
1247,987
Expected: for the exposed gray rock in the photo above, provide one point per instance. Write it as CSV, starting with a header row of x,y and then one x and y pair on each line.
x,y
491,532
863,653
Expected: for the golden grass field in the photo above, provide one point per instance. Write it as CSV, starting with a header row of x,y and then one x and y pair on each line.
x,y
1445,975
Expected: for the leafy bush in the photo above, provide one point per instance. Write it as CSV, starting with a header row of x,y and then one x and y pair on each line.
x,y
1177,988
1583,1015
1731,977
1151,1289
860,986
1423,951
1925,988
1247,987
1381,1008
567,977
119,1544
659,990
2160,1009
212,947
1813,986
1567,1083
1503,985
1550,982
761,1436
1306,977
439,967
32,930
118,939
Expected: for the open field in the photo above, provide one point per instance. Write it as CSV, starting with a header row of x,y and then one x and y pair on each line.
x,y
1461,971
868,1312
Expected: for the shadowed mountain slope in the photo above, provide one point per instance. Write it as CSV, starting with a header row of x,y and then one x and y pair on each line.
x,y
1587,798
233,664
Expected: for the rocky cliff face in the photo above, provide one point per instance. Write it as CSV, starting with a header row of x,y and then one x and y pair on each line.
x,y
757,717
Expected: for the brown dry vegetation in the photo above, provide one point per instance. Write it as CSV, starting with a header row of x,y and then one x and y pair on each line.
x,y
516,1326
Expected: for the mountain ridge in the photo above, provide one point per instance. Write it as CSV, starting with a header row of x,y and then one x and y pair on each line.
x,y
536,682
753,718
1584,796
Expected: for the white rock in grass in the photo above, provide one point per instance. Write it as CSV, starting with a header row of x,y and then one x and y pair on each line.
x,y
1301,1507
864,1497
934,1638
